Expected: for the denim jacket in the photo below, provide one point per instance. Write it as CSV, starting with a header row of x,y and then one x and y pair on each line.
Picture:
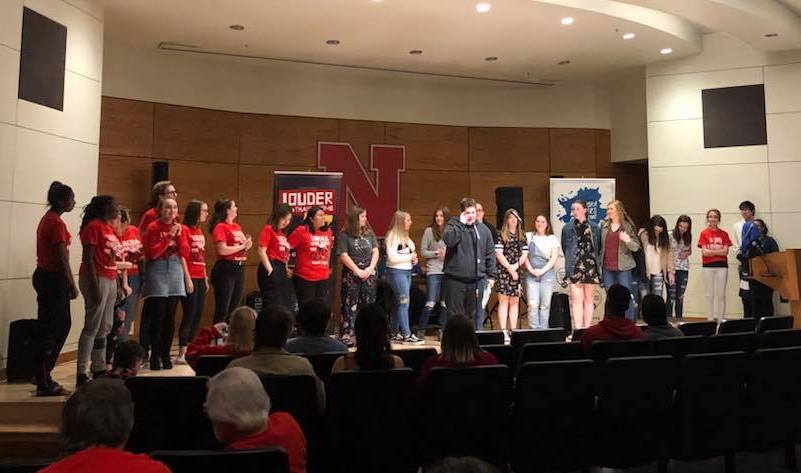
x,y
570,244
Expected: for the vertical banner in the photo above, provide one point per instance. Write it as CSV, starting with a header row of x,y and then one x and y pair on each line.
x,y
564,192
303,190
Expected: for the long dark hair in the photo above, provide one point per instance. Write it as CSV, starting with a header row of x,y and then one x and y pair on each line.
x,y
58,195
279,213
103,207
459,341
308,221
662,240
192,213
220,212
436,229
352,226
125,215
373,351
687,238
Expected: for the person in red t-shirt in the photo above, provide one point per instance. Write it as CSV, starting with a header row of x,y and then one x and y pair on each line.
x,y
231,245
127,273
98,282
54,286
132,248
166,281
239,410
274,283
312,242
715,244
95,425
615,325
195,216
234,338
160,190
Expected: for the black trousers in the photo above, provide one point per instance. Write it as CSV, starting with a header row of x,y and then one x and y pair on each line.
x,y
53,300
460,297
228,281
761,300
275,288
193,305
162,324
307,290
747,297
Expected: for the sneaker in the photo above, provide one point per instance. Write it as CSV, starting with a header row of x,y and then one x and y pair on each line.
x,y
506,338
155,364
397,338
412,339
166,363
180,360
81,379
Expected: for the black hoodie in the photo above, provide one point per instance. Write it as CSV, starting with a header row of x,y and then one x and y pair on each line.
x,y
470,254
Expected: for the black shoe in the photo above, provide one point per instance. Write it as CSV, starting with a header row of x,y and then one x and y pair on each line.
x,y
81,380
99,374
52,389
155,364
166,363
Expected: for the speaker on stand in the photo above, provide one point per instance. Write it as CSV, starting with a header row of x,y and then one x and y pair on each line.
x,y
159,171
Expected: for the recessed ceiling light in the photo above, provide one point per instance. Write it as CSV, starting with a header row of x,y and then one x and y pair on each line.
x,y
628,36
376,1
563,63
483,7
332,42
771,35
491,58
567,20
666,50
237,27
416,52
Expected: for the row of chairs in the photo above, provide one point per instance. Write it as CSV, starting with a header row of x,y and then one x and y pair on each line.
x,y
708,328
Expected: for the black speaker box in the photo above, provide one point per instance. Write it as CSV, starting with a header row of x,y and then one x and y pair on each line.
x,y
160,171
508,198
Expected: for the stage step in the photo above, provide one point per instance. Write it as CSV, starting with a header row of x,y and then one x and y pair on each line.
x,y
29,428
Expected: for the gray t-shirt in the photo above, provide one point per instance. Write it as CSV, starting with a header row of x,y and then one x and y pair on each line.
x,y
428,247
360,249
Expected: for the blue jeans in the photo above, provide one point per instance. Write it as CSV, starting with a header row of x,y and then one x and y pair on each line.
x,y
482,286
623,278
400,280
135,281
676,293
539,292
433,289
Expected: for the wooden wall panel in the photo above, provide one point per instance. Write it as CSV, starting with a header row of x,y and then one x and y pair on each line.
x,y
126,178
424,191
196,134
435,147
204,181
126,127
280,140
256,187
535,189
361,134
509,149
572,150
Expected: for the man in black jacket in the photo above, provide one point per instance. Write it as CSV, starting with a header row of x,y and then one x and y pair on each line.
x,y
469,260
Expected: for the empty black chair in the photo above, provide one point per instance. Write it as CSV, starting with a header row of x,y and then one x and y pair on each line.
x,y
552,351
738,326
504,353
210,365
295,394
780,338
269,460
709,400
633,421
168,414
707,329
322,363
577,333
774,323
602,350
489,337
465,411
415,357
520,338
369,422
731,342
554,403
679,347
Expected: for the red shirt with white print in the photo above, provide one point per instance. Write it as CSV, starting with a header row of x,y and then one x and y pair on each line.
x,y
150,216
106,248
161,244
313,252
714,239
197,252
131,248
231,235
276,243
51,232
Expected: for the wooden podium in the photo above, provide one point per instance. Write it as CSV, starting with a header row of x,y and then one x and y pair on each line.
x,y
782,272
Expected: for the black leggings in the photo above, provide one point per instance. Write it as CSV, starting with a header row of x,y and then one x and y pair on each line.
x,y
161,318
307,290
228,280
193,310
52,297
275,288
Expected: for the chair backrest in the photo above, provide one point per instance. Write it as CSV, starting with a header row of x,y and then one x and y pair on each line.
x,y
707,328
774,323
25,465
295,394
210,365
780,338
737,326
489,337
554,404
577,333
552,351
368,421
520,338
169,415
731,342
679,347
268,460
602,350
322,363
504,353
415,357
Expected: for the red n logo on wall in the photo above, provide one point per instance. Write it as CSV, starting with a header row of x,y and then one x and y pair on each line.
x,y
386,161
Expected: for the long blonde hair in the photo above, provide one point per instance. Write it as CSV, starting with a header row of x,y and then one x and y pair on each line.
x,y
505,234
621,209
397,232
242,329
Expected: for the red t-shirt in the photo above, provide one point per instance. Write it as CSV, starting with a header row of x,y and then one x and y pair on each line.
x,y
160,244
103,459
282,431
197,252
275,242
51,232
312,253
716,239
106,248
150,216
231,235
131,247
209,341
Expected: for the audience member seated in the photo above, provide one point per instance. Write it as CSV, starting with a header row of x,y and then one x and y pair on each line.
x,y
654,313
459,348
128,358
373,351
239,410
273,326
95,424
460,465
313,318
615,325
234,338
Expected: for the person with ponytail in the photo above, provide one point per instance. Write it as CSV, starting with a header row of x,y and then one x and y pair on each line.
x,y
231,244
659,265
401,257
54,286
166,281
196,214
160,190
131,242
312,242
98,282
274,283
714,243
